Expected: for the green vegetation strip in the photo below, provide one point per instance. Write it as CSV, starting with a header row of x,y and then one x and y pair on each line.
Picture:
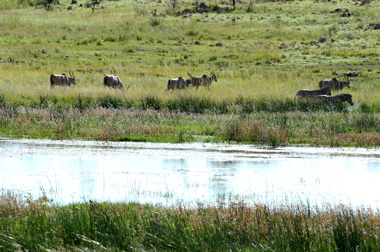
x,y
232,226
274,123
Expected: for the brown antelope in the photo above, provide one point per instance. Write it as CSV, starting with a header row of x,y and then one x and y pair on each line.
x,y
203,81
112,81
62,80
334,83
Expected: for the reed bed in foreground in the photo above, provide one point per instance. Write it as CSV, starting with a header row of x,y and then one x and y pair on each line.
x,y
233,226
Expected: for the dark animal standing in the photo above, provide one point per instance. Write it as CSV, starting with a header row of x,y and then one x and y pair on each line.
x,y
336,99
62,80
308,94
179,83
334,83
112,81
203,81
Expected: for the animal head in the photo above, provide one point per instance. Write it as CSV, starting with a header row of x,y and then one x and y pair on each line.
x,y
116,83
213,76
72,79
347,98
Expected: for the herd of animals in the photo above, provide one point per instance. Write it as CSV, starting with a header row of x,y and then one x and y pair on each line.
x,y
323,94
181,83
113,81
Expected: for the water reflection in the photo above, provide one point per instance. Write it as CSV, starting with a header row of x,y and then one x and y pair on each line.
x,y
68,171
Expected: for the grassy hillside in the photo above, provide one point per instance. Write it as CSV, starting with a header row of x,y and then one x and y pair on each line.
x,y
262,53
265,50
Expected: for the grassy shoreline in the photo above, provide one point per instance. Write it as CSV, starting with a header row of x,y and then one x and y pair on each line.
x,y
273,123
34,225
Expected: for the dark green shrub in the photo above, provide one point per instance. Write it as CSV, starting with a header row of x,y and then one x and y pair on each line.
x,y
109,101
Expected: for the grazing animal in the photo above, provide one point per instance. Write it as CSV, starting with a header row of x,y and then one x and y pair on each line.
x,y
336,99
309,94
179,83
112,81
62,80
203,81
334,83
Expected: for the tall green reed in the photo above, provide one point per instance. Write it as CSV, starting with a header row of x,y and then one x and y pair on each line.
x,y
231,225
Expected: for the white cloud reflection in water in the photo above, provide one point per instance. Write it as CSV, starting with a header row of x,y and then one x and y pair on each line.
x,y
77,171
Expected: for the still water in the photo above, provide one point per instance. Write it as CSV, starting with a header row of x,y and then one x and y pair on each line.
x,y
78,171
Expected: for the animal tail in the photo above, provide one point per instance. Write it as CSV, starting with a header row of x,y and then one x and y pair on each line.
x,y
51,80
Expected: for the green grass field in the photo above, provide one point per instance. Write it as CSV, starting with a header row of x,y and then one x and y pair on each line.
x,y
265,52
262,53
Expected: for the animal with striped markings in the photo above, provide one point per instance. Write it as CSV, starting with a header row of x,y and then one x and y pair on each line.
x,y
308,94
336,99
